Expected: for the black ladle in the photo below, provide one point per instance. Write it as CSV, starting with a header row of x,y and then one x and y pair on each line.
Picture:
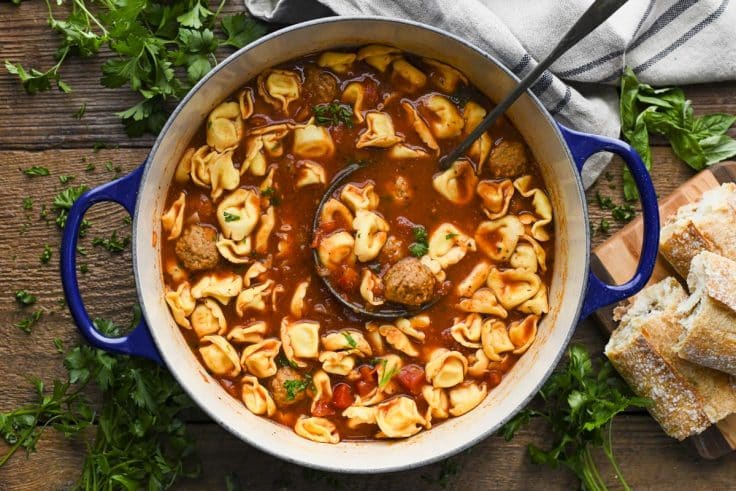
x,y
384,312
596,14
587,23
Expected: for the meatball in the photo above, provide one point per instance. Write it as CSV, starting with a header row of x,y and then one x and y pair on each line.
x,y
319,85
278,387
196,248
409,282
508,159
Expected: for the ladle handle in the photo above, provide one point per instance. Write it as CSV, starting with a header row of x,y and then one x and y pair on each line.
x,y
588,22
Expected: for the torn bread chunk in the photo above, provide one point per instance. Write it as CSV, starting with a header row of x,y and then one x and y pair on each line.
x,y
706,225
686,398
708,317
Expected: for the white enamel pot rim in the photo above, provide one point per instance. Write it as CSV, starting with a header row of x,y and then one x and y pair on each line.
x,y
380,456
520,384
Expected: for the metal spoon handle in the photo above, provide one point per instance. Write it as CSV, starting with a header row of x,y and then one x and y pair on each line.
x,y
589,21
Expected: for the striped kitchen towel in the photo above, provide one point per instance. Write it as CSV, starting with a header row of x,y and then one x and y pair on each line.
x,y
665,42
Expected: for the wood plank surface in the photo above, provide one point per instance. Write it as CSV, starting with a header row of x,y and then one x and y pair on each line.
x,y
39,130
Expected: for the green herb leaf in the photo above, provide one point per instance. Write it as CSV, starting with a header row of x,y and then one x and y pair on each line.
x,y
25,298
386,373
46,254
36,171
295,386
699,142
333,114
65,179
349,338
28,322
113,243
421,246
580,402
230,217
79,113
27,203
241,30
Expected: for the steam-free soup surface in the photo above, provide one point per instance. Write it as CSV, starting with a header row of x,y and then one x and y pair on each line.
x,y
238,245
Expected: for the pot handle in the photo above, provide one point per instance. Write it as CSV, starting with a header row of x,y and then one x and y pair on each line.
x,y
124,192
600,294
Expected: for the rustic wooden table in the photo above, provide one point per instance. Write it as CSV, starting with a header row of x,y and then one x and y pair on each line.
x,y
40,130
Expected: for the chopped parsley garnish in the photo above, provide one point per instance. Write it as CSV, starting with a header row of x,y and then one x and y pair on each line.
x,y
623,213
350,339
64,178
97,146
283,361
28,322
36,171
604,226
386,375
83,268
90,167
270,193
421,245
604,202
333,114
450,236
27,203
80,112
295,387
64,201
112,243
230,217
25,298
46,254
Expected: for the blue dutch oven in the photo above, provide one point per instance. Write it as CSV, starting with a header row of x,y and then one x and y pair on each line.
x,y
574,291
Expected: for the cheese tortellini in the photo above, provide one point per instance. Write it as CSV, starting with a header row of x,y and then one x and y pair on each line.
x,y
225,127
457,183
254,255
279,88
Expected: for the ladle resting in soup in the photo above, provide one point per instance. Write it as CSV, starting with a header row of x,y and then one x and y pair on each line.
x,y
237,245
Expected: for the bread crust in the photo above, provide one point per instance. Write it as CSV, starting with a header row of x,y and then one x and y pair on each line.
x,y
708,225
686,398
708,317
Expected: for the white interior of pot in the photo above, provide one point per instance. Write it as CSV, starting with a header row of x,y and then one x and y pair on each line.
x,y
570,267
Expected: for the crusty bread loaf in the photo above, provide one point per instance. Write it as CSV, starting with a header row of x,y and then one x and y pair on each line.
x,y
707,225
686,398
708,317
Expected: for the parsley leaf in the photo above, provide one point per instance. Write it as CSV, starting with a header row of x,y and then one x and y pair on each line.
x,y
421,245
27,203
580,402
64,201
36,171
295,386
28,322
25,298
241,30
230,217
46,254
350,339
386,373
333,114
79,113
113,243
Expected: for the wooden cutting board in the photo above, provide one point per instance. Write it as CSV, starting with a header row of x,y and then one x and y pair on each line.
x,y
615,261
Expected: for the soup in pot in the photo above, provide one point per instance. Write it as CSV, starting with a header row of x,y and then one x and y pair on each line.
x,y
467,250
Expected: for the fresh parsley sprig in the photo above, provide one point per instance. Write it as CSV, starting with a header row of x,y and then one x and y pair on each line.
x,y
149,42
580,402
420,246
699,142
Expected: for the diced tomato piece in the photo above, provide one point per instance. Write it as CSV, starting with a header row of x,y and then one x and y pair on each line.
x,y
411,377
342,396
322,408
348,280
367,383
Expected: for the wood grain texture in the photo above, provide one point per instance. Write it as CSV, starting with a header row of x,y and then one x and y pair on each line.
x,y
650,460
39,130
616,260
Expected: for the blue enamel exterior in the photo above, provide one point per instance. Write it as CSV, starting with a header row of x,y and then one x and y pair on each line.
x,y
125,192
582,146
